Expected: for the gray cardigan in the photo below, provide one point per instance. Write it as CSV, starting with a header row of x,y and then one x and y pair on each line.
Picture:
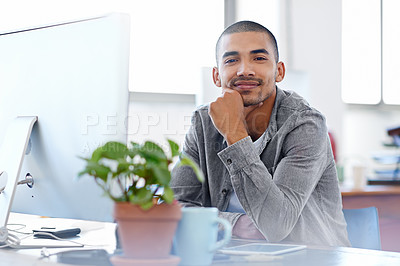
x,y
289,188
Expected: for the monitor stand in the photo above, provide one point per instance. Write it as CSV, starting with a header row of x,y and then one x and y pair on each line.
x,y
12,151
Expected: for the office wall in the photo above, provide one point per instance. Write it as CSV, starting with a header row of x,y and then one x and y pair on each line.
x,y
364,131
314,49
156,116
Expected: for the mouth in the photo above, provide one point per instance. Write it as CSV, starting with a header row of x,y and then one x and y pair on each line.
x,y
246,84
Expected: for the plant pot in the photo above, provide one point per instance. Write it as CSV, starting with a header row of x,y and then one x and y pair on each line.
x,y
147,234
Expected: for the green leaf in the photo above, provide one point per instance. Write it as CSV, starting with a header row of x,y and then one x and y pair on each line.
x,y
83,172
97,170
168,195
152,168
134,150
114,150
139,170
146,205
97,154
162,174
184,160
142,196
83,158
174,148
153,152
111,150
123,166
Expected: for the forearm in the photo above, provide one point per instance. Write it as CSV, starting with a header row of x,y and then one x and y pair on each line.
x,y
273,205
186,187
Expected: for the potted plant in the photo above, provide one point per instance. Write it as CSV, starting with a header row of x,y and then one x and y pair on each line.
x,y
136,178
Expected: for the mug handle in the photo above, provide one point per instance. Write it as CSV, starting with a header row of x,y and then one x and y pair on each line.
x,y
227,234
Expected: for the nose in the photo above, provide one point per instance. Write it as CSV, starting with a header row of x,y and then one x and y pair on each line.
x,y
245,69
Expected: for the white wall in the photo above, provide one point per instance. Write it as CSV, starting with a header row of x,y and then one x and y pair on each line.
x,y
314,49
360,130
156,117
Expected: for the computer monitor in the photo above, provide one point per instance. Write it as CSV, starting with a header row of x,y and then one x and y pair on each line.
x,y
74,77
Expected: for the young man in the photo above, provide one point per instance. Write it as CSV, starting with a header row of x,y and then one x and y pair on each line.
x,y
265,152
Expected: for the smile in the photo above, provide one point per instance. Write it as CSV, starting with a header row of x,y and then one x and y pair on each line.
x,y
246,84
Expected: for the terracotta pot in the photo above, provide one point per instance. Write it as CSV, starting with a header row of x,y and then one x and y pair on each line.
x,y
147,234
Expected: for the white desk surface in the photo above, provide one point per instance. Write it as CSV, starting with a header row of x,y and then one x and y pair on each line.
x,y
94,235
102,235
318,256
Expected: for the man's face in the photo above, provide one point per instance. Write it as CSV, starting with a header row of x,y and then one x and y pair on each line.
x,y
247,64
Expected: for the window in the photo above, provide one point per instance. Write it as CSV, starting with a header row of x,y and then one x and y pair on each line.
x,y
370,54
170,40
390,51
361,52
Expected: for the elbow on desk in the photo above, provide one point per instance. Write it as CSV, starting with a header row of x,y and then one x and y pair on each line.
x,y
276,225
276,236
276,232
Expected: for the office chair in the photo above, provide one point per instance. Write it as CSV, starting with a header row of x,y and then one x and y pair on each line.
x,y
363,228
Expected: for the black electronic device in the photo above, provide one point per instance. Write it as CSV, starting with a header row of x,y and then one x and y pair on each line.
x,y
59,233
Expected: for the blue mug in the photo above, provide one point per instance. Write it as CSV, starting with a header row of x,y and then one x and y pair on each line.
x,y
195,240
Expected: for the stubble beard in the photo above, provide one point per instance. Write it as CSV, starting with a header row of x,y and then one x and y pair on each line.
x,y
259,98
255,101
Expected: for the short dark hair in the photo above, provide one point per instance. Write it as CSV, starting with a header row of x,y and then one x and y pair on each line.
x,y
248,26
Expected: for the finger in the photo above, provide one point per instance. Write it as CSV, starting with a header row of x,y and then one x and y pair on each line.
x,y
231,94
227,90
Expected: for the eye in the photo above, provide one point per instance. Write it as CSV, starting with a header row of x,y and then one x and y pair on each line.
x,y
260,58
229,61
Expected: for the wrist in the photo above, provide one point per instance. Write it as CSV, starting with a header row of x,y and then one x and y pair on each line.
x,y
233,138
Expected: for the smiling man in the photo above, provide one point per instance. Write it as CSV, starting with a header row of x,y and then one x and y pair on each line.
x,y
265,152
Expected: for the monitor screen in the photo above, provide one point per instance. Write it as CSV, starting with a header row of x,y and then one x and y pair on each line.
x,y
74,77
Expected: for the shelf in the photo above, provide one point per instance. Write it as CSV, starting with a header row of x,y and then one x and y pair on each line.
x,y
370,190
384,182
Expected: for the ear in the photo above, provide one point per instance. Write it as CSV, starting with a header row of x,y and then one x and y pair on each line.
x,y
216,78
280,72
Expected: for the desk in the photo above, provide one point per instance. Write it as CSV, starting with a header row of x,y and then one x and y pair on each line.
x,y
94,235
387,200
321,256
103,234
